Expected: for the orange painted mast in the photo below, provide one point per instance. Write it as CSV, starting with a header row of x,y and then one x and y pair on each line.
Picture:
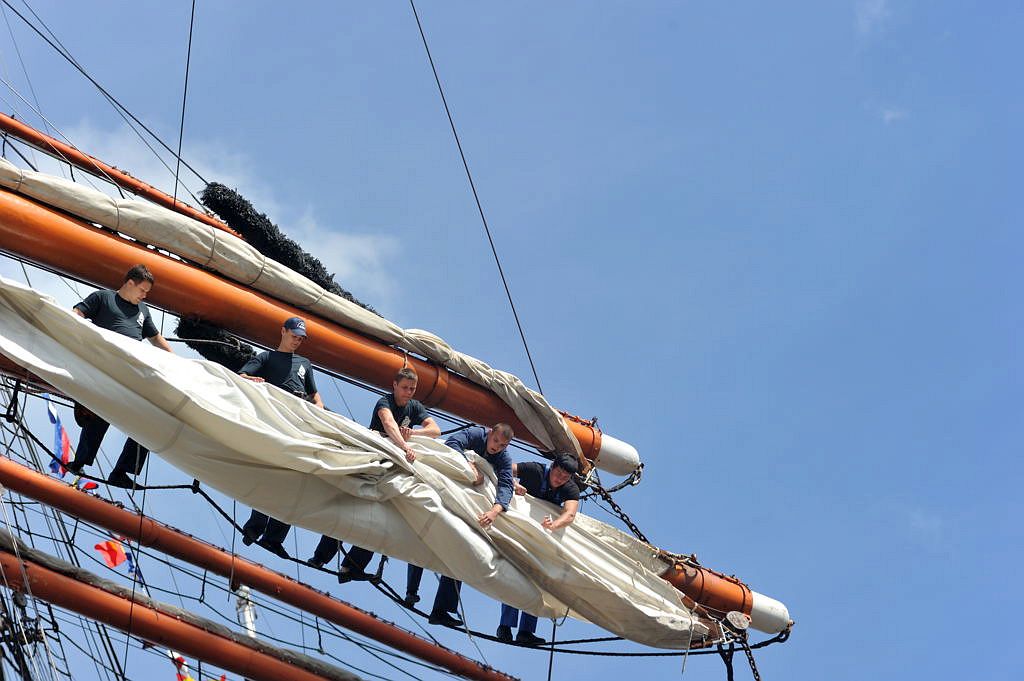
x,y
156,535
47,236
95,166
50,237
151,624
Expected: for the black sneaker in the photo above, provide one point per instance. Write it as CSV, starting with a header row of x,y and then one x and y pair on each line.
x,y
274,547
74,468
120,479
315,562
445,619
249,538
411,599
525,638
504,634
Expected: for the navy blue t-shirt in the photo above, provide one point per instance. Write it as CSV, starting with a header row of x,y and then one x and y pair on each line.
x,y
412,414
475,438
534,477
286,370
110,311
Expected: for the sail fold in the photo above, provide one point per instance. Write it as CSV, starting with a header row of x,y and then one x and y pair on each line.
x,y
319,470
235,259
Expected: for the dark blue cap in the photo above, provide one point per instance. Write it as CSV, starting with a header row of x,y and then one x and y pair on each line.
x,y
296,326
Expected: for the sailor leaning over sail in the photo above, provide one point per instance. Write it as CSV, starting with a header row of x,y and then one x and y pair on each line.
x,y
123,312
396,416
292,373
553,483
491,445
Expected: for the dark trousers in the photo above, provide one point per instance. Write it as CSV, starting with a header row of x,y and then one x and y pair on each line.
x,y
132,459
447,597
509,615
133,455
326,549
413,577
261,526
357,559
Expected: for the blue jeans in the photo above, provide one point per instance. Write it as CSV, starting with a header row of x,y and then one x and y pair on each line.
x,y
527,622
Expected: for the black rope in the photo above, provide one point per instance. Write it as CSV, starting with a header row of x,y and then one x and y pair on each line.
x,y
63,51
476,197
184,97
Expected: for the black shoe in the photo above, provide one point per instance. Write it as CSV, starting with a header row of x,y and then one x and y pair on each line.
x,y
411,599
315,562
527,639
274,547
504,634
74,468
249,538
120,479
344,574
445,619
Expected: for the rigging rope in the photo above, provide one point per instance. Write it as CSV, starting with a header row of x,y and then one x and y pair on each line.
x,y
476,197
184,97
386,589
119,107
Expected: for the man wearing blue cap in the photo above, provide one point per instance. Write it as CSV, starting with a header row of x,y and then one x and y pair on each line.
x,y
293,373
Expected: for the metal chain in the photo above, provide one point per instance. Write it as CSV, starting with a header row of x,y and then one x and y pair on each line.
x,y
621,514
750,657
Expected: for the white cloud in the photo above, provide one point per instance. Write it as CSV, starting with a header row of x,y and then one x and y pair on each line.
x,y
360,261
893,115
871,14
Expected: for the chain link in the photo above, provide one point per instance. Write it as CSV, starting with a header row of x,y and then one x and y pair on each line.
x,y
620,513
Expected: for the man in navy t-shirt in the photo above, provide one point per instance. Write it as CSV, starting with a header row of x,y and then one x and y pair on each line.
x,y
398,417
553,483
293,373
123,312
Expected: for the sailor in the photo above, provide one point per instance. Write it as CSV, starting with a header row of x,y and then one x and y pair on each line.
x,y
292,373
553,483
396,416
123,312
490,444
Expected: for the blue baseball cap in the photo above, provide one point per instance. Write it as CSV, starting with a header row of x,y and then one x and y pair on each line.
x,y
296,325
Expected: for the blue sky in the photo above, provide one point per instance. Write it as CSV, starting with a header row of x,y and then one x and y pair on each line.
x,y
771,245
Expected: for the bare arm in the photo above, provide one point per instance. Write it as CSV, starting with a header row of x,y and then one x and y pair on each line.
x,y
315,399
159,341
78,312
568,515
393,431
428,428
485,519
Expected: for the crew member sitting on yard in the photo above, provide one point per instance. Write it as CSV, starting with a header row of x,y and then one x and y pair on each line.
x,y
396,416
491,445
551,483
123,312
292,373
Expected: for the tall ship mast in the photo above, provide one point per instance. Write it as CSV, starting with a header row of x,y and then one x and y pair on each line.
x,y
199,417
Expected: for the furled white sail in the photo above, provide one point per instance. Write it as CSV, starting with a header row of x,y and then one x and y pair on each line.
x,y
324,472
237,260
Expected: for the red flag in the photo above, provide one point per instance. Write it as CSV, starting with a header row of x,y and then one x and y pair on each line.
x,y
112,552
